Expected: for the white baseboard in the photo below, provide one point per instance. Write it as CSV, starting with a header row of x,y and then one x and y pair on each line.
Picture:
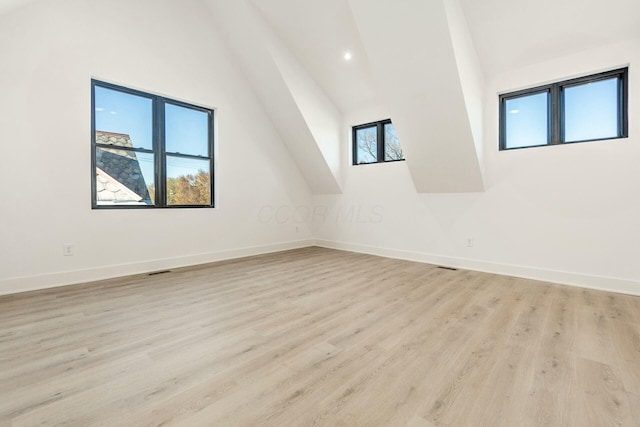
x,y
602,283
64,278
32,283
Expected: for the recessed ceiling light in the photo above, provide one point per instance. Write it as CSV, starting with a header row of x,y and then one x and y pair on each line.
x,y
347,56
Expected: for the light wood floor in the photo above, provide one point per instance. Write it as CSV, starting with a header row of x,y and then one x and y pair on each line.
x,y
317,337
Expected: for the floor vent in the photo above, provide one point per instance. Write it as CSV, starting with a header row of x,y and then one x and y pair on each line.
x,y
155,273
448,268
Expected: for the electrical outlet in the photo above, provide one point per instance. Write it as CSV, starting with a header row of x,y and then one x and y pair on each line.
x,y
67,249
469,242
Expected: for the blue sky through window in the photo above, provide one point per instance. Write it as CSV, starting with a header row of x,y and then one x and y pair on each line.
x,y
186,130
120,112
591,110
527,123
392,150
367,140
127,114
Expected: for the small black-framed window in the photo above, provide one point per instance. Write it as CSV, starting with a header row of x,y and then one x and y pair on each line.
x,y
376,142
584,109
148,151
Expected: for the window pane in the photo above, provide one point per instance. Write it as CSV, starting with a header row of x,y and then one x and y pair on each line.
x,y
124,177
526,120
187,131
591,111
367,145
392,149
188,181
123,115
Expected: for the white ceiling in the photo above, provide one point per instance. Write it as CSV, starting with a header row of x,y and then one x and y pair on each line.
x,y
9,5
514,33
318,33
413,58
430,105
506,33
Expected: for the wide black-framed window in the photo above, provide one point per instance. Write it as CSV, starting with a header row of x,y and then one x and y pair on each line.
x,y
584,109
149,151
376,142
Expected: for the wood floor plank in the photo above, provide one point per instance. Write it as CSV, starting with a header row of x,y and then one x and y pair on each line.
x,y
319,337
604,400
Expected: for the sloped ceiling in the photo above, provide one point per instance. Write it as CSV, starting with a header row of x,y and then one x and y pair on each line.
x,y
318,33
514,33
427,104
9,5
424,61
505,34
307,121
413,58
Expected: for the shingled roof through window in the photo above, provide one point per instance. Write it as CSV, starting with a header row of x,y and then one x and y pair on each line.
x,y
119,177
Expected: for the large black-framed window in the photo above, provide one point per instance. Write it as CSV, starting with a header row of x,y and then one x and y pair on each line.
x,y
149,151
376,142
584,109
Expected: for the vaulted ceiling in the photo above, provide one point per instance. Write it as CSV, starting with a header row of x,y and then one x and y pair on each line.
x,y
424,61
9,5
515,33
505,33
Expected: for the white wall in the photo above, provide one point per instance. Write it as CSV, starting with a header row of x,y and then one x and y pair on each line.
x,y
469,70
569,214
254,45
403,40
321,117
49,51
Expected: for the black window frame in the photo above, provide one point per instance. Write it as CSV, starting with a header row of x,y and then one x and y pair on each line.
x,y
158,148
556,108
380,142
